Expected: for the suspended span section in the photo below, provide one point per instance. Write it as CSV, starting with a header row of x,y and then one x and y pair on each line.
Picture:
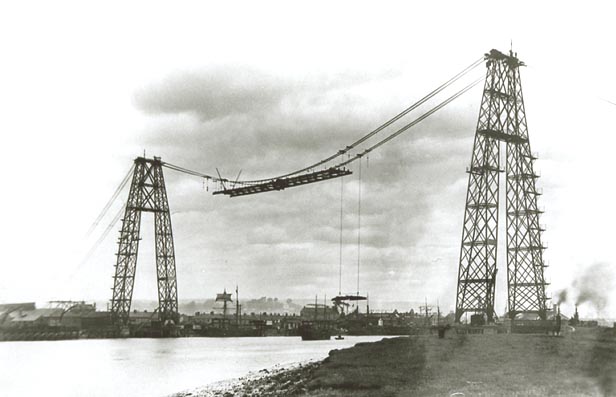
x,y
283,183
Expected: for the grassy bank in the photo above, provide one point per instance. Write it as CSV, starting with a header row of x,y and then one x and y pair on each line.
x,y
582,363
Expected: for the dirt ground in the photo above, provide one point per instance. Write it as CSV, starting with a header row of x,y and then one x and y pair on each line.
x,y
580,363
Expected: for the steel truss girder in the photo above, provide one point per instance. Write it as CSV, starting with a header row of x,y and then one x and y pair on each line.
x,y
501,118
147,194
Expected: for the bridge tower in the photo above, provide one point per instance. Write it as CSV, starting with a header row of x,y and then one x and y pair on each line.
x,y
501,119
147,194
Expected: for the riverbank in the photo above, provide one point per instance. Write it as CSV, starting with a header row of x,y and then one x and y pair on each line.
x,y
581,363
279,380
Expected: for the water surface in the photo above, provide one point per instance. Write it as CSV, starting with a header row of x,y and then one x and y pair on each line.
x,y
146,367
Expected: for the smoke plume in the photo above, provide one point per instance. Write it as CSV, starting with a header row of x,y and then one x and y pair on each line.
x,y
594,286
561,296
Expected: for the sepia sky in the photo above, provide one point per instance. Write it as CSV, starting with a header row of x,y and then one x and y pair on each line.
x,y
270,87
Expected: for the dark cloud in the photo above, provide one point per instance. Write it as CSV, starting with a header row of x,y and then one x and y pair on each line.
x,y
218,93
228,91
234,118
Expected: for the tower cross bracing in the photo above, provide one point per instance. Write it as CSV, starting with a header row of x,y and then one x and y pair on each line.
x,y
147,194
502,118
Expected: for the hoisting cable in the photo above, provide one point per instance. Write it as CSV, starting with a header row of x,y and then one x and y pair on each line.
x,y
341,226
111,200
358,225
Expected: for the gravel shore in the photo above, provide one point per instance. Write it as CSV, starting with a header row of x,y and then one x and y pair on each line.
x,y
280,380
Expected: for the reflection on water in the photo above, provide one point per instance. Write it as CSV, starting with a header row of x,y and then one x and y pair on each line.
x,y
146,367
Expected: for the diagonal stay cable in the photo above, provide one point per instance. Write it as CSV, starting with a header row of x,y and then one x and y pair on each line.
x,y
101,238
114,196
194,173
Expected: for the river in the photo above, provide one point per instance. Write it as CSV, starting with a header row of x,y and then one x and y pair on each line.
x,y
146,367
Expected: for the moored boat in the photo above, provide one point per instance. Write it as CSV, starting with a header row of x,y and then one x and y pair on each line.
x,y
310,330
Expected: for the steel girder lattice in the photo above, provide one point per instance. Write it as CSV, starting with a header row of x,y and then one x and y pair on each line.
x,y
501,118
147,194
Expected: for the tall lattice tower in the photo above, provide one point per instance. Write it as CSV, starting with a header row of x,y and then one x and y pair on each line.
x,y
501,118
147,194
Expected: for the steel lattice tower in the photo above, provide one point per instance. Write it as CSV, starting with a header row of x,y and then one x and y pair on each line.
x,y
147,194
501,118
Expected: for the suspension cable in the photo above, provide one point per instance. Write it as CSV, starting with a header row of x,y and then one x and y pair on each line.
x,y
362,139
381,127
412,123
421,101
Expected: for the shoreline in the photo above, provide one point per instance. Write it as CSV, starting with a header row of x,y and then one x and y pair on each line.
x,y
582,363
262,382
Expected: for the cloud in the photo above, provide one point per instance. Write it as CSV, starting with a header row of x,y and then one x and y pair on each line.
x,y
230,90
220,92
234,118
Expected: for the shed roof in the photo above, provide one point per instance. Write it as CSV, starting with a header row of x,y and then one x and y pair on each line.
x,y
33,315
9,307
